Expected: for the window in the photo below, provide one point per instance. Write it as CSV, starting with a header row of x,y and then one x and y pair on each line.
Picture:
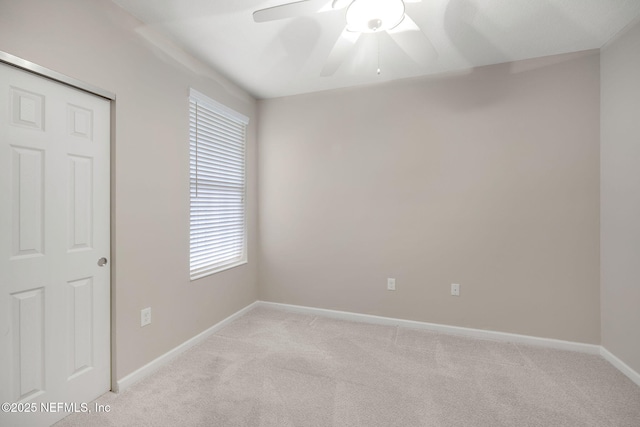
x,y
217,180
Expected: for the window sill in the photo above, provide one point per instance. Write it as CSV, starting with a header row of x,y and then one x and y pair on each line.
x,y
219,270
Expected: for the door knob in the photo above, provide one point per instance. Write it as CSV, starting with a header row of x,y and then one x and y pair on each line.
x,y
102,262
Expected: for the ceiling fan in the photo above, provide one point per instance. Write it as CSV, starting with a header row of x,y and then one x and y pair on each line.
x,y
362,17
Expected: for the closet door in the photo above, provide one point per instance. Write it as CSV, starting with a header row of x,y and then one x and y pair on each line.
x,y
54,248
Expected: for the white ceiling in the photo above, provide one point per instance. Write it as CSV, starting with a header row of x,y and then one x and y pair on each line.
x,y
285,57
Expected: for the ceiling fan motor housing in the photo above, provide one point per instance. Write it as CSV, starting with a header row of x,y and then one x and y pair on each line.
x,y
374,24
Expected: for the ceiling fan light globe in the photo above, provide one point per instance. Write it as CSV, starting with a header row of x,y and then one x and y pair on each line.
x,y
362,13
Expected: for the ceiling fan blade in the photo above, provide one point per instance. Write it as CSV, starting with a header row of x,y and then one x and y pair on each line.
x,y
289,10
341,4
410,38
344,45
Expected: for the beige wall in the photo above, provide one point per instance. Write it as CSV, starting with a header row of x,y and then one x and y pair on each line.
x,y
620,212
97,42
488,179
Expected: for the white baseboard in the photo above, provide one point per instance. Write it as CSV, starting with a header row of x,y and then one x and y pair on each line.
x,y
620,365
150,367
452,330
469,332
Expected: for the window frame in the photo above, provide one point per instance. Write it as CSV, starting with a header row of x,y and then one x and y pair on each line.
x,y
226,115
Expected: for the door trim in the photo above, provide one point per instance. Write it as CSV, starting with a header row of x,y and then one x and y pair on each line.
x,y
29,66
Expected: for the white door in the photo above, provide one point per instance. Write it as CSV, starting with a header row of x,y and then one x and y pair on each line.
x,y
54,227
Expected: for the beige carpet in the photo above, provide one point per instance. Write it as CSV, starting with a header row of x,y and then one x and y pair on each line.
x,y
275,368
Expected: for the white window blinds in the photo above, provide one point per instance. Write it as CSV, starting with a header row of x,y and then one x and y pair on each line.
x,y
217,176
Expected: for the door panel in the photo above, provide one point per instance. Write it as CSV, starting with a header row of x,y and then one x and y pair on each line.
x,y
27,165
54,227
28,340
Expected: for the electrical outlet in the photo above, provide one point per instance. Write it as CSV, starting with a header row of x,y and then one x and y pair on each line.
x,y
145,316
455,289
391,284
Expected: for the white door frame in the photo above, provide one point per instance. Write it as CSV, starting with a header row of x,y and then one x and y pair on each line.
x,y
47,73
7,58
